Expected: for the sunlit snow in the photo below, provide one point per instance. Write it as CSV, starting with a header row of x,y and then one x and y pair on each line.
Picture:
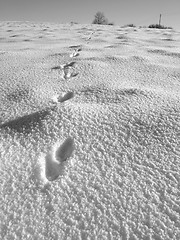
x,y
90,132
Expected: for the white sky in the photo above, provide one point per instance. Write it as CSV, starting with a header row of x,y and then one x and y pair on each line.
x,y
138,12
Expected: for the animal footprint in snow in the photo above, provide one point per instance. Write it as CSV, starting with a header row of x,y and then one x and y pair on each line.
x,y
66,97
57,98
75,46
55,159
52,167
68,74
65,150
68,65
79,49
63,66
74,54
66,70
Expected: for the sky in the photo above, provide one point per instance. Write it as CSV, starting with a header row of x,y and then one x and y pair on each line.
x,y
120,12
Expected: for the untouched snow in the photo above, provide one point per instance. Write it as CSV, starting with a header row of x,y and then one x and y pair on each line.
x,y
90,132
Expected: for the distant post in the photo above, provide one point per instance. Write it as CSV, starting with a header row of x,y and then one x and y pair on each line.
x,y
160,20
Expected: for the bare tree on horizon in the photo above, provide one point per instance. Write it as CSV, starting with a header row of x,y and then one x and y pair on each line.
x,y
99,18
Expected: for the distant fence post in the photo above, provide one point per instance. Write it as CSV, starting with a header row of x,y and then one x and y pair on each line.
x,y
160,20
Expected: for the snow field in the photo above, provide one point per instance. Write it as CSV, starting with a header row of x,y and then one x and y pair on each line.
x,y
94,155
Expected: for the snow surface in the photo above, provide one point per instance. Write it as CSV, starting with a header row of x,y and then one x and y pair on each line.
x,y
90,132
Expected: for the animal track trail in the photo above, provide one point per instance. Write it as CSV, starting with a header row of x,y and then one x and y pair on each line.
x,y
51,165
52,168
89,38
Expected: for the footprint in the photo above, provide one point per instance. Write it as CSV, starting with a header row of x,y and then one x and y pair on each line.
x,y
66,97
52,168
69,75
79,49
74,54
57,98
51,165
75,46
65,67
68,65
65,150
54,160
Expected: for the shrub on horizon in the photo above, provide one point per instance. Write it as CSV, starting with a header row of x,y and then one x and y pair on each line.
x,y
72,23
158,26
129,25
111,24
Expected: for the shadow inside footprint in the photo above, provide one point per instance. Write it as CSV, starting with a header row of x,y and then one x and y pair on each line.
x,y
54,161
72,75
65,150
16,35
71,64
75,46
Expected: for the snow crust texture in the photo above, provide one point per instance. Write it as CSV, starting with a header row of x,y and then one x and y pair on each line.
x,y
89,132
